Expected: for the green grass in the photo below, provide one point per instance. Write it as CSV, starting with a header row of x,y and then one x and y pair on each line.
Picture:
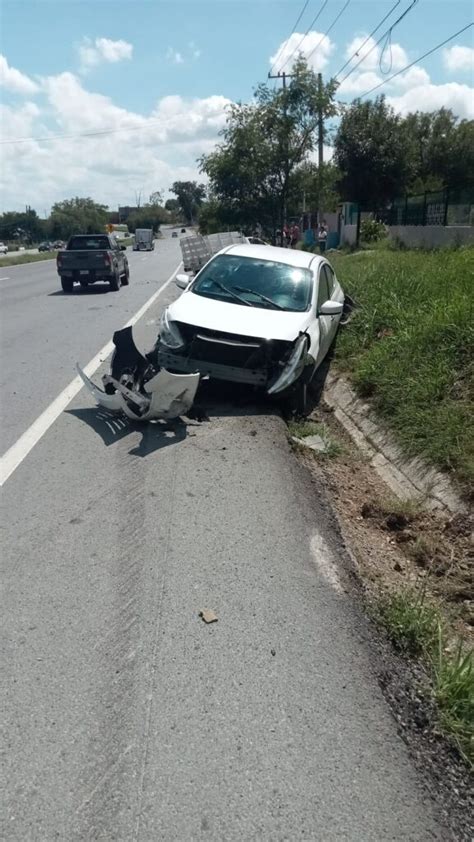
x,y
410,348
415,627
10,260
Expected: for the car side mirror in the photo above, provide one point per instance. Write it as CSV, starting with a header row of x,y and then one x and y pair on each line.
x,y
182,281
331,308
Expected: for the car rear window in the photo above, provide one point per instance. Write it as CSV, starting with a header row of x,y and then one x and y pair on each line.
x,y
88,243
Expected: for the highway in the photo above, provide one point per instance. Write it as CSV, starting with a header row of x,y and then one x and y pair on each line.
x,y
125,716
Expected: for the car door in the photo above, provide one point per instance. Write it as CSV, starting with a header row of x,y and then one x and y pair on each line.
x,y
325,323
335,294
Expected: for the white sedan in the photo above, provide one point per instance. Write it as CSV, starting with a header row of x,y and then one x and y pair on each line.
x,y
259,315
3,248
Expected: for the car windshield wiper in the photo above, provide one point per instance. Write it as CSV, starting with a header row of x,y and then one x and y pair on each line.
x,y
259,295
229,291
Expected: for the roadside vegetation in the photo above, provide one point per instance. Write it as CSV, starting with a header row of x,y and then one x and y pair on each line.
x,y
409,348
415,627
16,259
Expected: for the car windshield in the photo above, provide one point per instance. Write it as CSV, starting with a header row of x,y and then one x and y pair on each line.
x,y
260,283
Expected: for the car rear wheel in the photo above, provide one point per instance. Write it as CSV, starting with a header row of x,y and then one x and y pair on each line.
x,y
115,282
126,276
67,284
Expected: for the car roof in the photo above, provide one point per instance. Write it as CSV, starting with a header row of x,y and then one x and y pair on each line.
x,y
291,257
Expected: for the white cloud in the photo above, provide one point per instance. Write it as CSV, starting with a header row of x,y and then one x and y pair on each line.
x,y
14,81
359,82
428,97
92,53
174,56
195,51
299,44
159,148
458,58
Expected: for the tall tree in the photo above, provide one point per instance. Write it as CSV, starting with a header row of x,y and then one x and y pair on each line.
x,y
441,148
252,170
156,198
77,216
372,152
190,196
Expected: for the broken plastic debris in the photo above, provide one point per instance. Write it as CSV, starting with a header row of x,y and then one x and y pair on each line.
x,y
208,616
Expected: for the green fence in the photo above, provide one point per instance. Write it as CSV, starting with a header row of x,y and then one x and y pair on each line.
x,y
442,207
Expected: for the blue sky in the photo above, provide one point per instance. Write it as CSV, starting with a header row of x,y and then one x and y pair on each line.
x,y
167,69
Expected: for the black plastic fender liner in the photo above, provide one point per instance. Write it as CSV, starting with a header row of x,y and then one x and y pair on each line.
x,y
126,356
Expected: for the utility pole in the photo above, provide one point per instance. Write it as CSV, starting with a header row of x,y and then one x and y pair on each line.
x,y
283,76
320,145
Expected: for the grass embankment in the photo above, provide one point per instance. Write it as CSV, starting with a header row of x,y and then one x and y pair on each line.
x,y
410,348
19,259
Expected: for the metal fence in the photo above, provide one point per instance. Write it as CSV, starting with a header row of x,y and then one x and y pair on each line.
x,y
441,207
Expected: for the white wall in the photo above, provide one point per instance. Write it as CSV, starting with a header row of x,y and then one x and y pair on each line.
x,y
431,236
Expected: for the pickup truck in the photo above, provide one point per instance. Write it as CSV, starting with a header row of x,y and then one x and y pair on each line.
x,y
88,258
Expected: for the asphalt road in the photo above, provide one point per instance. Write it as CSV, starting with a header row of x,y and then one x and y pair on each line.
x,y
125,716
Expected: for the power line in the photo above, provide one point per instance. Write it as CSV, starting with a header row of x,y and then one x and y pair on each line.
x,y
425,55
291,33
81,134
329,29
356,53
385,35
304,36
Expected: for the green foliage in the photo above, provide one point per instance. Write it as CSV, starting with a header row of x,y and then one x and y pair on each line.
x,y
190,196
77,216
410,347
415,627
441,150
411,622
252,172
149,216
371,231
372,151
22,226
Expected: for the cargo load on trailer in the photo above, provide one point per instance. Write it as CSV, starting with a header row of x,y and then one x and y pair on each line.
x,y
197,250
144,240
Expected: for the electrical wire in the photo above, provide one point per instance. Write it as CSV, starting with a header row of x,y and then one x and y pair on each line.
x,y
304,36
420,58
356,53
383,37
328,30
81,134
291,33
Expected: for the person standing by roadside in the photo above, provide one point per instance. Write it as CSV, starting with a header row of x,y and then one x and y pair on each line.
x,y
322,237
294,236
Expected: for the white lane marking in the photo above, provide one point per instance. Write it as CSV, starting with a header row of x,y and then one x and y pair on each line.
x,y
325,563
4,279
14,456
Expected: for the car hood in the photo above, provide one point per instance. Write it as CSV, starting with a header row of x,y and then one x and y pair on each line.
x,y
236,318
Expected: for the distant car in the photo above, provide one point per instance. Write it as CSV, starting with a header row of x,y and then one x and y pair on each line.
x,y
183,230
260,315
174,234
256,241
59,244
3,248
45,247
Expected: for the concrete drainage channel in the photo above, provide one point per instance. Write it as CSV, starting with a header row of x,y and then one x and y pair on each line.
x,y
407,478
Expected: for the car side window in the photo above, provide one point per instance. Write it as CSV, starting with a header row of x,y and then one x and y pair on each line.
x,y
323,288
331,278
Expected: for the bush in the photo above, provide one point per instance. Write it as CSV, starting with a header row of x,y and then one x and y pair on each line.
x,y
371,230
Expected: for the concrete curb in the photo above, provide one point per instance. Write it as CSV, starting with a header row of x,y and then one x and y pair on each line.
x,y
407,478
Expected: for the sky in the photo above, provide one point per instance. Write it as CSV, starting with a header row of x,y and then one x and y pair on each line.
x,y
153,79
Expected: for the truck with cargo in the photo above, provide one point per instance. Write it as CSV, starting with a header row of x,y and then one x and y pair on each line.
x,y
144,240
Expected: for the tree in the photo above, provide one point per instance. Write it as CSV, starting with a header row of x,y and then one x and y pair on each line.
x,y
252,172
149,216
441,149
372,151
190,196
156,198
77,216
23,226
172,205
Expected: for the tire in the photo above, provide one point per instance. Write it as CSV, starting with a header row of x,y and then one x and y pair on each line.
x,y
67,284
115,282
126,276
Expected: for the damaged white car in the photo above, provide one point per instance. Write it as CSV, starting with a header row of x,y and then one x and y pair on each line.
x,y
258,315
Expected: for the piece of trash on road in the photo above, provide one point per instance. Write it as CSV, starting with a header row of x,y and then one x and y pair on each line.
x,y
208,616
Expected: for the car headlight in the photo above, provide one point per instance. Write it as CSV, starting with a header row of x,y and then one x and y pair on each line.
x,y
293,367
169,332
